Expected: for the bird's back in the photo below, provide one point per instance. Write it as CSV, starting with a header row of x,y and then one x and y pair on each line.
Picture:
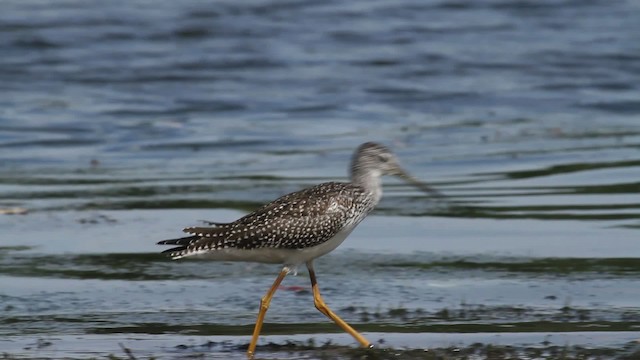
x,y
299,220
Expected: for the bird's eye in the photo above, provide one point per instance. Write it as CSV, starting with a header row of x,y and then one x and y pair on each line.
x,y
383,158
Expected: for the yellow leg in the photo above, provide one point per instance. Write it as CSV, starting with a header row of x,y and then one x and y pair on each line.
x,y
323,308
264,306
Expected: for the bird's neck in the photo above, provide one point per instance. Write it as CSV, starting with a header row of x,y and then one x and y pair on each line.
x,y
369,180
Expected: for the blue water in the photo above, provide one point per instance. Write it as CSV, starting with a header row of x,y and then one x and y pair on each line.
x,y
123,121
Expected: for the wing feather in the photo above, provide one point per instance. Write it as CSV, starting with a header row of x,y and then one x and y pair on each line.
x,y
298,220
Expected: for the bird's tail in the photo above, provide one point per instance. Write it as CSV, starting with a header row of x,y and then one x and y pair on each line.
x,y
182,243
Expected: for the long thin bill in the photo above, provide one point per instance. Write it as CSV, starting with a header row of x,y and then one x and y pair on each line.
x,y
420,185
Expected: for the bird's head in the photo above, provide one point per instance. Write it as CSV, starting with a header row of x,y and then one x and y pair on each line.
x,y
373,159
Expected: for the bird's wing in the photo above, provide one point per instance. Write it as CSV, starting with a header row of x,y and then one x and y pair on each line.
x,y
298,220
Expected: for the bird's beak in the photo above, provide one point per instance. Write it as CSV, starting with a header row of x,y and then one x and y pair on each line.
x,y
417,183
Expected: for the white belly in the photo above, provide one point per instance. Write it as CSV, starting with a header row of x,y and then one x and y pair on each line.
x,y
287,257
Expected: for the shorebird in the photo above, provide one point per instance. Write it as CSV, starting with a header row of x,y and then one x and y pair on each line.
x,y
299,227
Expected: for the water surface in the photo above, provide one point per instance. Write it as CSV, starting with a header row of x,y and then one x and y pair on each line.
x,y
123,122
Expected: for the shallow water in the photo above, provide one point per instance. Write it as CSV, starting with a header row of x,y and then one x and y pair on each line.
x,y
123,122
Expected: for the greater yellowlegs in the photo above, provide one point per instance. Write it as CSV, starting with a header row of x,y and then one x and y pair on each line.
x,y
299,227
